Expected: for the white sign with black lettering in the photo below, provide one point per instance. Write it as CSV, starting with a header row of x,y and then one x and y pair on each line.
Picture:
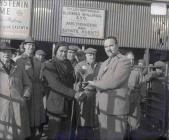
x,y
83,22
15,16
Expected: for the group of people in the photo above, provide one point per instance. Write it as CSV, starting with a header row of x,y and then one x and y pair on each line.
x,y
76,96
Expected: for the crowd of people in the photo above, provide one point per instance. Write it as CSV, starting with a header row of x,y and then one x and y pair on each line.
x,y
75,96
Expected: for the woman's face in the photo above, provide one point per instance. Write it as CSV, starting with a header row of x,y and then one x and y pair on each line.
x,y
61,53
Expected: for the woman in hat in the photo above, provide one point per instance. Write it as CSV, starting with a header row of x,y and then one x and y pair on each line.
x,y
15,88
58,74
32,67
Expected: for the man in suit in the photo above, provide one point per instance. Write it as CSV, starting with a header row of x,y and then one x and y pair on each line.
x,y
112,99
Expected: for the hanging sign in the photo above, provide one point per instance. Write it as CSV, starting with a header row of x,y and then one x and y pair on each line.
x,y
83,22
15,19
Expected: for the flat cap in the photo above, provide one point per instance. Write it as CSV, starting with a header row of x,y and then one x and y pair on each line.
x,y
29,40
73,47
40,52
159,64
5,46
90,50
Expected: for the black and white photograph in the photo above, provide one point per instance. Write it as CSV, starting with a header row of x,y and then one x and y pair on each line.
x,y
84,69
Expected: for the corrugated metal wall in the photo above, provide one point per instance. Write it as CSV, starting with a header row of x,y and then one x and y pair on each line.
x,y
131,23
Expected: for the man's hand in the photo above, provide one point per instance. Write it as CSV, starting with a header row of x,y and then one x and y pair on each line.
x,y
91,83
80,96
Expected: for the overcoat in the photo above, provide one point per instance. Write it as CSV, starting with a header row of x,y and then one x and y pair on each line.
x,y
112,83
14,121
36,108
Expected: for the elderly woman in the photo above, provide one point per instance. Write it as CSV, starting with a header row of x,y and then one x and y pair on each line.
x,y
15,89
58,75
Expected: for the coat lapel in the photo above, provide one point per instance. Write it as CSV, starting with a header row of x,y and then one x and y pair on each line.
x,y
108,63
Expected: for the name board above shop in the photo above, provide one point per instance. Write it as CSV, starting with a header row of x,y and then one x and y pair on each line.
x,y
83,22
15,16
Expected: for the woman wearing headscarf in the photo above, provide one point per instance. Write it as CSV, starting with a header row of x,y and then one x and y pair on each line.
x,y
58,76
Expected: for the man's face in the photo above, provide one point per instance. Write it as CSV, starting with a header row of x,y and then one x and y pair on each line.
x,y
29,48
40,57
61,53
6,55
71,55
130,56
110,47
90,57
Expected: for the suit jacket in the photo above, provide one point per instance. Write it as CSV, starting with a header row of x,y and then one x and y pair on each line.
x,y
112,84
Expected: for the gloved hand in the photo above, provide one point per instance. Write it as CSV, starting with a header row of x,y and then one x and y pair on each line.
x,y
80,96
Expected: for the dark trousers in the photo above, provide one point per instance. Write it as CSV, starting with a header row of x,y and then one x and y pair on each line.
x,y
85,133
54,129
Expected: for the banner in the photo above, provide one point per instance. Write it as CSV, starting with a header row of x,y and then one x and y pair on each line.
x,y
83,22
15,19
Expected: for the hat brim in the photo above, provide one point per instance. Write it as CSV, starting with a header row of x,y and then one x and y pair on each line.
x,y
29,42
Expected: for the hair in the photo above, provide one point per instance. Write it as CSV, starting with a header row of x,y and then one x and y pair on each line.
x,y
112,37
60,44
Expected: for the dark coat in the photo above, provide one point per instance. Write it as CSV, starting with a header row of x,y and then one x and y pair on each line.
x,y
58,77
36,108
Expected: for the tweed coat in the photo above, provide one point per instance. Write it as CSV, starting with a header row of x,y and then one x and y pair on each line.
x,y
36,108
112,84
14,120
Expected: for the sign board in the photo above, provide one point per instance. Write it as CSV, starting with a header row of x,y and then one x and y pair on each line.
x,y
83,22
158,8
15,18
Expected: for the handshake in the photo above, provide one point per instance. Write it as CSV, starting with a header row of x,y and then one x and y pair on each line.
x,y
80,96
87,90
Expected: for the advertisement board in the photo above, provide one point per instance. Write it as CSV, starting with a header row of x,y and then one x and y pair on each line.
x,y
83,22
15,19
